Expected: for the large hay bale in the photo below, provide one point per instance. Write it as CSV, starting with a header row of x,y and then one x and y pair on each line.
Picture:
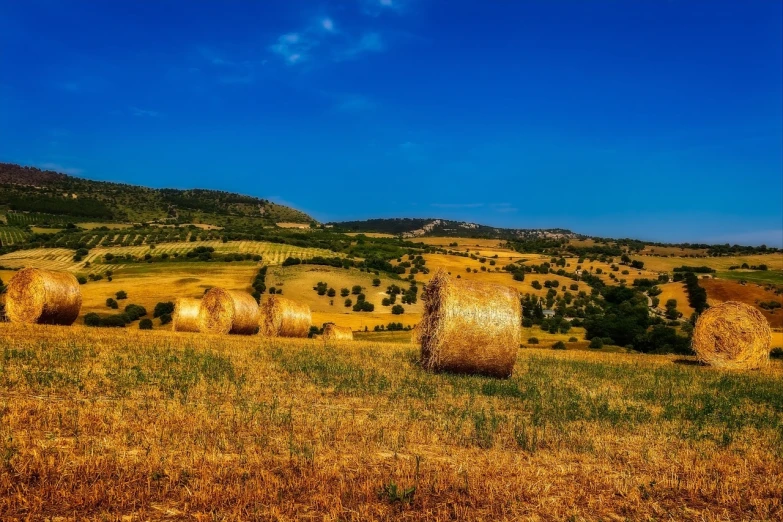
x,y
186,315
36,296
281,317
228,311
470,327
332,332
732,335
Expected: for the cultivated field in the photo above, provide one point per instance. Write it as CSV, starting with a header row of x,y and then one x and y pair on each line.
x,y
184,426
667,264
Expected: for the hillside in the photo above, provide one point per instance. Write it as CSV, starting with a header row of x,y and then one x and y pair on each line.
x,y
70,199
423,227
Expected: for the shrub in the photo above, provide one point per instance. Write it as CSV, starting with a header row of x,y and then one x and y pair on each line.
x,y
532,340
776,353
356,289
165,319
82,280
376,282
92,319
145,324
114,321
397,309
111,303
348,303
121,295
559,345
344,292
527,322
596,343
163,308
135,312
572,339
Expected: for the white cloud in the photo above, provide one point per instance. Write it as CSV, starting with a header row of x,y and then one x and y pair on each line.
x,y
378,7
59,168
327,24
293,47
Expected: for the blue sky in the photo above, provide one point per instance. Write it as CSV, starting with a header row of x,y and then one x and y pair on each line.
x,y
648,119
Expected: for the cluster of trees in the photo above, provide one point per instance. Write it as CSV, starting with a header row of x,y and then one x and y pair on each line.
x,y
259,283
132,313
391,327
694,269
697,296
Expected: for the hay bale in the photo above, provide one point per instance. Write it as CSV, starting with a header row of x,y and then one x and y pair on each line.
x,y
470,327
281,317
186,313
36,296
228,311
332,332
732,335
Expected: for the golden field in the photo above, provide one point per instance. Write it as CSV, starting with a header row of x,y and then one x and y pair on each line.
x,y
667,264
100,424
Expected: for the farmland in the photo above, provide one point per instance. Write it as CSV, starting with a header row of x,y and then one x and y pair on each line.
x,y
180,425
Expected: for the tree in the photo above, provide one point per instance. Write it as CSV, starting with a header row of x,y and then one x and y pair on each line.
x,y
165,319
348,303
145,324
596,343
331,292
111,303
559,345
92,319
82,280
121,295
344,292
356,289
671,310
397,309
376,282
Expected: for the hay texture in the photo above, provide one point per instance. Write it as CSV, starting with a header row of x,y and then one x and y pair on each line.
x,y
281,317
470,327
228,311
36,296
732,335
332,332
186,315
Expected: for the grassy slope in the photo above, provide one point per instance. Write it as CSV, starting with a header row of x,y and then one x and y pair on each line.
x,y
219,427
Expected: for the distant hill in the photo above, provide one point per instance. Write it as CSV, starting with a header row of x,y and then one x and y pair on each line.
x,y
418,227
68,198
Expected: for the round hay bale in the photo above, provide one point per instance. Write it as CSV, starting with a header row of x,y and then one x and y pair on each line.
x,y
332,332
470,327
186,315
228,311
281,317
36,296
732,335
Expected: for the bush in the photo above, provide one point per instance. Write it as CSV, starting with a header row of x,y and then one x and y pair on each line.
x,y
527,322
135,312
145,324
82,280
165,319
111,303
572,339
596,343
348,303
397,309
92,319
532,340
121,295
163,308
376,282
559,345
114,321
356,289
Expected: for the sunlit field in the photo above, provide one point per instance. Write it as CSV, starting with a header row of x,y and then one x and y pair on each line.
x,y
102,424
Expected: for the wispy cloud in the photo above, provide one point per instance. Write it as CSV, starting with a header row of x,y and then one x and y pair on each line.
x,y
328,24
368,43
293,47
378,7
60,168
143,113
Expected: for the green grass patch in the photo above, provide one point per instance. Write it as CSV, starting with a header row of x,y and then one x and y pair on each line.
x,y
773,277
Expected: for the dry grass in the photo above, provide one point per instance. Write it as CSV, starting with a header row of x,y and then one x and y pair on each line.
x,y
37,296
165,425
720,290
677,292
667,264
734,336
470,327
